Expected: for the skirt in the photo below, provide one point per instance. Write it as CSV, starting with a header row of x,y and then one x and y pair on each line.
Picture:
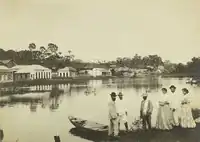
x,y
186,118
164,119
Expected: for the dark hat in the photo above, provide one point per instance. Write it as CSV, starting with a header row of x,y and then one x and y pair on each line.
x,y
186,90
165,89
113,94
120,94
172,86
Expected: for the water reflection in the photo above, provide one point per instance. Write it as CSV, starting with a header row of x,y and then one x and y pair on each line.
x,y
85,100
49,94
52,99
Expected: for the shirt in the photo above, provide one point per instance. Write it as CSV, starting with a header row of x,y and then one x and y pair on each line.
x,y
112,109
175,100
121,106
145,107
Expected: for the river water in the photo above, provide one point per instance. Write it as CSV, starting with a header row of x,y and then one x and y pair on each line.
x,y
31,121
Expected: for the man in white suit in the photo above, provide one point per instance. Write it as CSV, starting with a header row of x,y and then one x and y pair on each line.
x,y
113,130
122,111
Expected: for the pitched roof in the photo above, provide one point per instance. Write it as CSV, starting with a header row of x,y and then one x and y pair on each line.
x,y
67,68
91,66
26,68
4,69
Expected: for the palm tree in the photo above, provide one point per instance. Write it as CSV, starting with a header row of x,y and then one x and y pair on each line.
x,y
31,47
43,52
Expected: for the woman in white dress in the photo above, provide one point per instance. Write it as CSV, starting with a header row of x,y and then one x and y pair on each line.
x,y
163,121
186,118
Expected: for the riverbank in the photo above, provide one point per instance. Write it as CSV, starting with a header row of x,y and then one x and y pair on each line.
x,y
76,80
81,80
180,75
176,135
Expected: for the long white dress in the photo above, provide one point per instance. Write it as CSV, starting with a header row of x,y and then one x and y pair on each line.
x,y
163,121
186,117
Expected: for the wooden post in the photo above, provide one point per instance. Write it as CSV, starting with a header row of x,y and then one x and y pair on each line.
x,y
1,135
57,138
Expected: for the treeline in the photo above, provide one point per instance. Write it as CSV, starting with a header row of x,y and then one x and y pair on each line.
x,y
51,57
192,66
47,56
140,62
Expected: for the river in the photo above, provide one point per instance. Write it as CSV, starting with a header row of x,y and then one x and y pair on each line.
x,y
40,121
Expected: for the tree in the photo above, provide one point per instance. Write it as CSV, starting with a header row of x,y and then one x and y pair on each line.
x,y
53,48
70,57
136,61
31,47
43,53
169,67
155,60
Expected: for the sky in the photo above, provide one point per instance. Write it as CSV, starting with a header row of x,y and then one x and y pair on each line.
x,y
104,29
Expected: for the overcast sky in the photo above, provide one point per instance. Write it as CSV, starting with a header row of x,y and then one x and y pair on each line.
x,y
104,29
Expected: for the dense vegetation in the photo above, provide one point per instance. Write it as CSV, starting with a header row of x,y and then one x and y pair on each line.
x,y
51,57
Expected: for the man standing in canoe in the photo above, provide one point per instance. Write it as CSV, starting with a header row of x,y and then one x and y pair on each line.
x,y
113,117
122,111
146,111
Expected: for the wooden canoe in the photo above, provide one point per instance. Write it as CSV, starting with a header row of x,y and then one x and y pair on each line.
x,y
85,124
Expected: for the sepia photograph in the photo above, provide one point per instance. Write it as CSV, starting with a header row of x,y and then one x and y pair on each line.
x,y
99,71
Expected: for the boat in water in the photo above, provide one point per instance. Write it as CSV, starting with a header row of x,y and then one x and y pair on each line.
x,y
86,124
193,81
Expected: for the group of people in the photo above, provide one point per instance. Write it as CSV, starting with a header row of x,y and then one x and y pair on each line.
x,y
173,111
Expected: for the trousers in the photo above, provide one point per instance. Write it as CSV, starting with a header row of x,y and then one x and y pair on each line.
x,y
146,120
113,127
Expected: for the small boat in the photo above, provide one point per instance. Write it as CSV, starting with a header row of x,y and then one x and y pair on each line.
x,y
85,124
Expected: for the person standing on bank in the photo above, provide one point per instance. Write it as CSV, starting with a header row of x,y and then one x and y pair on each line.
x,y
122,111
163,121
146,110
174,105
113,130
186,117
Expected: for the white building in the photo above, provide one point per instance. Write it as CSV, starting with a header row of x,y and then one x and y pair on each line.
x,y
6,75
31,72
66,72
99,72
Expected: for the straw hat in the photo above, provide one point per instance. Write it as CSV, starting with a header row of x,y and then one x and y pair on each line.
x,y
144,95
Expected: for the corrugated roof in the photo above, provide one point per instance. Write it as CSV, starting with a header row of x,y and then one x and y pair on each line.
x,y
4,69
72,69
28,68
24,70
67,68
103,70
